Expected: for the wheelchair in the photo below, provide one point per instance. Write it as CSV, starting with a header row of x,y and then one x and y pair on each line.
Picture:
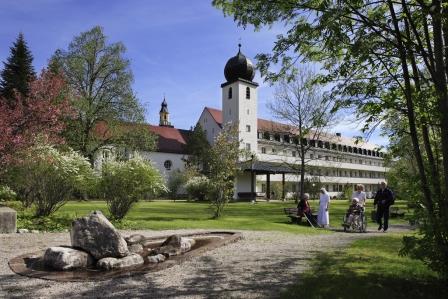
x,y
356,223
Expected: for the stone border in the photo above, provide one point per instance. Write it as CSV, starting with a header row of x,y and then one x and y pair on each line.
x,y
30,264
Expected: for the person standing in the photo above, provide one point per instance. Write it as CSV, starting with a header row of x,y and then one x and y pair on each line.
x,y
323,217
384,198
360,195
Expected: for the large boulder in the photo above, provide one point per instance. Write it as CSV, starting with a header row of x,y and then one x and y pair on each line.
x,y
96,235
65,258
110,263
154,259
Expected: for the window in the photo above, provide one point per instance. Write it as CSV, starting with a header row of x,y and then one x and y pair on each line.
x,y
168,164
247,128
247,93
263,150
230,93
248,112
311,156
293,153
273,150
248,146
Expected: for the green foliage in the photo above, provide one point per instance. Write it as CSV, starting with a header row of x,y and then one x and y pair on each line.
x,y
197,148
46,178
276,190
102,79
50,223
197,187
7,194
223,164
176,181
123,183
18,71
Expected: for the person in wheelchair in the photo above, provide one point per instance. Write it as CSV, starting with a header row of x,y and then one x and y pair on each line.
x,y
354,211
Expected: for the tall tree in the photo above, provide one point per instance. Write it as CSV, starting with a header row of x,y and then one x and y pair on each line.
x,y
100,76
223,156
43,116
18,71
302,105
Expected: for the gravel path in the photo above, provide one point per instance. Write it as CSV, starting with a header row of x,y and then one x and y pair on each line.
x,y
259,266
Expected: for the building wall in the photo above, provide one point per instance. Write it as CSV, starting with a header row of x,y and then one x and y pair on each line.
x,y
210,127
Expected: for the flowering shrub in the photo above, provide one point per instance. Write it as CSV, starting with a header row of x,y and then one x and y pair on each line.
x,y
125,182
46,177
6,193
197,187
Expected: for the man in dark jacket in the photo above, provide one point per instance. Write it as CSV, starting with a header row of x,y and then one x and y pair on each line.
x,y
384,198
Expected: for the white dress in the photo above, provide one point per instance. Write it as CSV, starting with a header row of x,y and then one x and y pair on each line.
x,y
323,217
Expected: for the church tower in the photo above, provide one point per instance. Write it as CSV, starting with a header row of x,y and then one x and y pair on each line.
x,y
239,99
164,115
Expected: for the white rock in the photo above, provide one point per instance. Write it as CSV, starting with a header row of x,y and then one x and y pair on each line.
x,y
156,258
135,248
110,263
64,258
96,235
134,239
23,231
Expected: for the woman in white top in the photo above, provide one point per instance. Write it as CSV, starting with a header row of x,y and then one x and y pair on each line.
x,y
360,195
323,217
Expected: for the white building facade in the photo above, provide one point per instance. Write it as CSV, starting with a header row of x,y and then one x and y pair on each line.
x,y
333,161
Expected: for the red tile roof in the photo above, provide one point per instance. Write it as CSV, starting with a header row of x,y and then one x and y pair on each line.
x,y
169,139
262,124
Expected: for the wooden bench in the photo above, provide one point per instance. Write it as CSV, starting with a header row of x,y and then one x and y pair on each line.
x,y
396,212
293,213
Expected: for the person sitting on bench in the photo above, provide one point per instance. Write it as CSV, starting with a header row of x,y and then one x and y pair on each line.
x,y
304,207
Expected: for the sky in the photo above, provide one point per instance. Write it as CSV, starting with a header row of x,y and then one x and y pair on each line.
x,y
177,48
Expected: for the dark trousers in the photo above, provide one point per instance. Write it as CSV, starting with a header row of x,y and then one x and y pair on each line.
x,y
383,212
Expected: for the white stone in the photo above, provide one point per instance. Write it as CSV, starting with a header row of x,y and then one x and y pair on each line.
x,y
135,248
134,239
64,258
158,258
23,231
96,235
110,263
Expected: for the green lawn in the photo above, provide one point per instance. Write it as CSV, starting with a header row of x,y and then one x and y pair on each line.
x,y
369,268
164,214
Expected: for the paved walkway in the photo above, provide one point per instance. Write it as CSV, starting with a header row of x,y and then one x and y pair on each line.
x,y
260,266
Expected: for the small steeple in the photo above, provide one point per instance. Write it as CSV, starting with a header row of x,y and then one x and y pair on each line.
x,y
164,114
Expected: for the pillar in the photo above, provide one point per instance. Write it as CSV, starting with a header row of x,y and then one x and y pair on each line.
x,y
283,186
268,186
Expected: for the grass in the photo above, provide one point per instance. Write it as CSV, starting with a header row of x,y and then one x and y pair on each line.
x,y
164,214
369,268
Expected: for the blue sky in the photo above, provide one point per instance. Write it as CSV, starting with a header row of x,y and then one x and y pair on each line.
x,y
178,48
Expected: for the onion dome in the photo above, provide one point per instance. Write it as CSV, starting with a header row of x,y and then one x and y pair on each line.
x,y
164,106
239,67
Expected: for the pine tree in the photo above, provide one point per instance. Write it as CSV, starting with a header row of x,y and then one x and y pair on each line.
x,y
18,71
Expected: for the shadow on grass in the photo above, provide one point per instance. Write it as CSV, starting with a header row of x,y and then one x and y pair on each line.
x,y
334,276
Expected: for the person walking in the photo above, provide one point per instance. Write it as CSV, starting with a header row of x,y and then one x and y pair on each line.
x,y
323,217
384,198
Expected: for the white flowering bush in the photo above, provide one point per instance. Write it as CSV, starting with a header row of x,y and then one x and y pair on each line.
x,y
197,187
7,193
125,182
46,177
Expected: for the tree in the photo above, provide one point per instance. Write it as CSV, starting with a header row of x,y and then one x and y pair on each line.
x,y
303,107
223,167
18,72
42,117
382,57
101,78
197,149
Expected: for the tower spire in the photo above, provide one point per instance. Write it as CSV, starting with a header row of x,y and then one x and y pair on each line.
x,y
164,114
